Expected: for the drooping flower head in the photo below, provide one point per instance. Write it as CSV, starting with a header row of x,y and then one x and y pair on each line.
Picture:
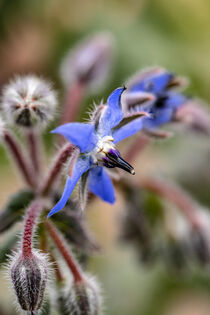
x,y
96,141
162,85
83,297
28,101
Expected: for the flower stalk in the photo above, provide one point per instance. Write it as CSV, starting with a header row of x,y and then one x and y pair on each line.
x,y
34,150
176,196
72,102
64,154
62,247
32,215
19,158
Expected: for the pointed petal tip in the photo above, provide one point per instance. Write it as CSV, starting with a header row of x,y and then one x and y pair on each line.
x,y
53,211
112,201
49,215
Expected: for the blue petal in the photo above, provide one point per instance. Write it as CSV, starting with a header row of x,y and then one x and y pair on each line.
x,y
113,114
128,130
82,165
164,114
100,184
175,100
153,83
79,134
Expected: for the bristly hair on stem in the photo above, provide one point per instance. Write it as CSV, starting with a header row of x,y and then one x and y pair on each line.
x,y
65,153
32,214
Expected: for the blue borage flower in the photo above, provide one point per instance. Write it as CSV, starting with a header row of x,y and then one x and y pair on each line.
x,y
167,100
96,141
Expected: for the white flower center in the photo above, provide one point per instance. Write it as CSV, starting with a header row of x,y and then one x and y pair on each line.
x,y
103,146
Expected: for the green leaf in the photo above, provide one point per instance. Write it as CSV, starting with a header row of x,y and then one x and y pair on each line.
x,y
7,248
14,209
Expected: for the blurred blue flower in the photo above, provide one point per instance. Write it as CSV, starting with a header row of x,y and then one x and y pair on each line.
x,y
96,141
161,84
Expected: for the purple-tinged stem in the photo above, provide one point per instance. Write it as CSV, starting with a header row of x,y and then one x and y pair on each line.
x,y
64,154
176,196
34,150
19,158
74,97
32,215
62,247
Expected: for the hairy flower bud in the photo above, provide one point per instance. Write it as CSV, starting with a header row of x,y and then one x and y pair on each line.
x,y
83,299
28,101
29,278
89,61
195,115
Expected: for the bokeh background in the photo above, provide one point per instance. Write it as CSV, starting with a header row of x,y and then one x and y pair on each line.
x,y
34,37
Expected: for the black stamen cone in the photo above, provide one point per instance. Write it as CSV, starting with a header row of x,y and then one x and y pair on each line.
x,y
115,160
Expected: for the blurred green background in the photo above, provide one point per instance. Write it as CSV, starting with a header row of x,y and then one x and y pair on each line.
x,y
35,36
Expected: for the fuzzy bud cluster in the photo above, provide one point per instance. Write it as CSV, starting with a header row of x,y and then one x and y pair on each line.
x,y
29,277
28,101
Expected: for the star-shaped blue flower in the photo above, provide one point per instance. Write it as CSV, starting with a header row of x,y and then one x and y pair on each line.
x,y
96,141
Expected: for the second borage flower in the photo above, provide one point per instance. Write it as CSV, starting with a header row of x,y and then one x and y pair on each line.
x,y
163,85
96,141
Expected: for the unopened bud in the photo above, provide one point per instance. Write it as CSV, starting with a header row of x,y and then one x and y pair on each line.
x,y
29,278
83,299
194,114
89,62
28,101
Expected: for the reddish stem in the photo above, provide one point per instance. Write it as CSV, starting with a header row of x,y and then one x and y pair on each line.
x,y
62,157
34,151
175,195
19,158
32,214
61,245
72,102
